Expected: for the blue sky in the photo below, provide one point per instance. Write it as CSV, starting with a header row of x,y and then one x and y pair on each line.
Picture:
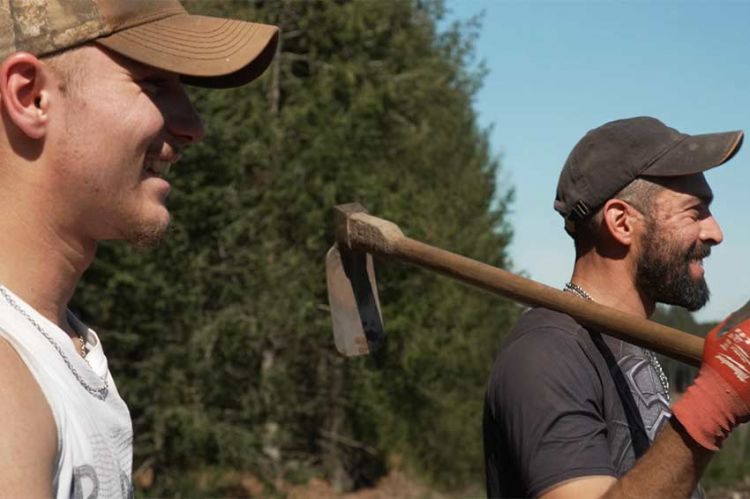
x,y
560,68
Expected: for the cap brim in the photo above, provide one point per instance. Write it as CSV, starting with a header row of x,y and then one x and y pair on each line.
x,y
696,153
205,51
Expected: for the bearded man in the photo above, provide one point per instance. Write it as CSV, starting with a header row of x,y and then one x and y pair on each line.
x,y
94,114
571,412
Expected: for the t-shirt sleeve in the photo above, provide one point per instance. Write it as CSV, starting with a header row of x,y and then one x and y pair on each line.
x,y
545,398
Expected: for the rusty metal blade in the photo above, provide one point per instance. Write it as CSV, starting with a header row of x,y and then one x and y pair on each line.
x,y
353,299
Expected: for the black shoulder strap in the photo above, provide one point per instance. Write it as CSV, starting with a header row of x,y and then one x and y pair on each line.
x,y
638,434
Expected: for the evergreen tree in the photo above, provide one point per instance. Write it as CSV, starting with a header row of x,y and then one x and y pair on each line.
x,y
220,339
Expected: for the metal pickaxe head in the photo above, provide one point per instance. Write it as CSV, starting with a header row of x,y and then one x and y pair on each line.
x,y
352,291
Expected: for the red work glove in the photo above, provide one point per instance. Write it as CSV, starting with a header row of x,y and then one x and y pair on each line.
x,y
719,398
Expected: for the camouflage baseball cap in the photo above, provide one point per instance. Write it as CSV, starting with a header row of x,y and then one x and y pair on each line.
x,y
205,51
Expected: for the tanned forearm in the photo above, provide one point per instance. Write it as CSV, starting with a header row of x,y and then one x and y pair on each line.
x,y
671,467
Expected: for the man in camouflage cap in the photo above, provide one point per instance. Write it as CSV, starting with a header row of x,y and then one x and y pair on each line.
x,y
93,114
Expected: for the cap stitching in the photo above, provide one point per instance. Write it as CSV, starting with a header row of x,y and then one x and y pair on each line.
x,y
151,17
207,56
234,30
200,32
231,48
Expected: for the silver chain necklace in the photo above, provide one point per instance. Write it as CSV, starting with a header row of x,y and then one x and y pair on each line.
x,y
576,289
572,287
101,392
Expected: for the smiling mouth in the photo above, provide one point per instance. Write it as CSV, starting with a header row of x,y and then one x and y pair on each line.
x,y
157,167
699,254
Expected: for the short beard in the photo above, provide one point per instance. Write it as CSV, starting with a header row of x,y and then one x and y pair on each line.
x,y
663,271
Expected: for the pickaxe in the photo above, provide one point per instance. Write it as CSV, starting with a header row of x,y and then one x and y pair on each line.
x,y
355,308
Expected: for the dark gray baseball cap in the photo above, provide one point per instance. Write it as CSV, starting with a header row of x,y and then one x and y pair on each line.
x,y
608,158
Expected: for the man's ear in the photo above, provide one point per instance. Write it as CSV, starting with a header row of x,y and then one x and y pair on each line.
x,y
24,93
621,221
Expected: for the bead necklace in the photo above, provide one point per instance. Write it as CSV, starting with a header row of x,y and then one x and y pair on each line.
x,y
572,287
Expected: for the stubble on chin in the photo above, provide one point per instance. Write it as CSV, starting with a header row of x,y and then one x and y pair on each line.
x,y
149,236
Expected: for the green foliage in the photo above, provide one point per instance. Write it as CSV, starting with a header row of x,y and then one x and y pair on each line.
x,y
730,466
220,339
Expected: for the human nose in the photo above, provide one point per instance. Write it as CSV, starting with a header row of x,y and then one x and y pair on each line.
x,y
711,231
182,120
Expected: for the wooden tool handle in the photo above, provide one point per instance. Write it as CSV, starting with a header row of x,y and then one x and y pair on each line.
x,y
380,237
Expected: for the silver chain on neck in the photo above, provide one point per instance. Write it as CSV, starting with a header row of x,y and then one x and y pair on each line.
x,y
574,288
101,392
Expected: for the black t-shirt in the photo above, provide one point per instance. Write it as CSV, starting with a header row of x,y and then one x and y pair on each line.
x,y
552,410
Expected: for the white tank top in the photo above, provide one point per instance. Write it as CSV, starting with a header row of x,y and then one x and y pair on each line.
x,y
94,431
